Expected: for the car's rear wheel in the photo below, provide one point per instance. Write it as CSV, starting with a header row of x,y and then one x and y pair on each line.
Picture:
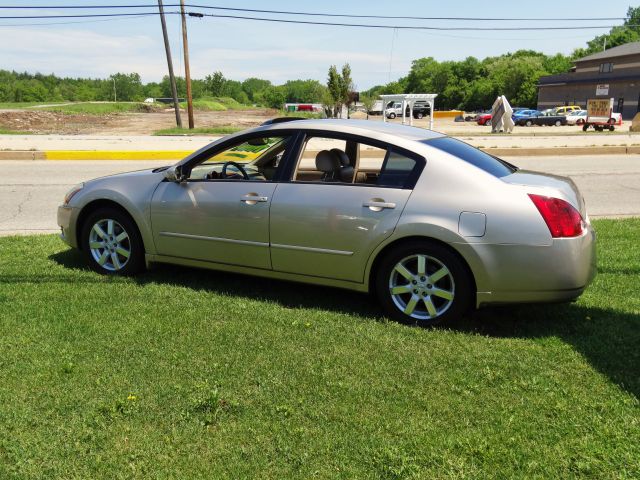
x,y
579,121
392,116
419,116
528,123
558,123
111,243
423,283
488,123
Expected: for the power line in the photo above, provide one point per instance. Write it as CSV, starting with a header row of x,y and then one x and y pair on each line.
x,y
75,22
309,22
318,14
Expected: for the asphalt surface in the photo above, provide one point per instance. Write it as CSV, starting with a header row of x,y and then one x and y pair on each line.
x,y
30,191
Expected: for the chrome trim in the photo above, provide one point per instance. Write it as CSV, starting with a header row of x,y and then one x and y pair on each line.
x,y
213,239
312,249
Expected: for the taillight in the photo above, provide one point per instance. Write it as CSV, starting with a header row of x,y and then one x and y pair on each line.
x,y
562,219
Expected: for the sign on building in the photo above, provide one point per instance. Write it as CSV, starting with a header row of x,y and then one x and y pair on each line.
x,y
602,89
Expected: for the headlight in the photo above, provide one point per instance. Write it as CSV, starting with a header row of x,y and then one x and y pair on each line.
x,y
71,193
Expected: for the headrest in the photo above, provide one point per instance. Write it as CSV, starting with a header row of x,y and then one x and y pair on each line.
x,y
327,161
346,174
344,158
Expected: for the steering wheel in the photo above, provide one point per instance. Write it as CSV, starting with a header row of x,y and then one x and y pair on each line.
x,y
223,173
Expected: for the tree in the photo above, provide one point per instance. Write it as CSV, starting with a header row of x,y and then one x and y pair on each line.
x,y
274,96
128,86
339,86
253,86
215,84
368,101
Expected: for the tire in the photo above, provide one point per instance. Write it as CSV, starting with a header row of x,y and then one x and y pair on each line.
x,y
419,116
585,127
528,123
441,301
611,128
120,250
558,123
488,123
392,116
579,122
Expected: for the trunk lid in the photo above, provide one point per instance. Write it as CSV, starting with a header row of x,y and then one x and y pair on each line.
x,y
549,185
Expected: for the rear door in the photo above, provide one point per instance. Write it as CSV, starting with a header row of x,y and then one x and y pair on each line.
x,y
330,228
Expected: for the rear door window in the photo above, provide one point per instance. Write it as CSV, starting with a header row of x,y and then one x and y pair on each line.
x,y
478,158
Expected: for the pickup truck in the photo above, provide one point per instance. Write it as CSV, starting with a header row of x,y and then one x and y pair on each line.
x,y
538,118
395,110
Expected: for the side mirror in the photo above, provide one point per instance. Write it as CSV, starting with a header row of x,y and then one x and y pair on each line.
x,y
174,174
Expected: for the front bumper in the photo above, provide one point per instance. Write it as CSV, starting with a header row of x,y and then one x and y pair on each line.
x,y
67,217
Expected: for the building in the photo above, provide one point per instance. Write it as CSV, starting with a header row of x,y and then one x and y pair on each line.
x,y
613,73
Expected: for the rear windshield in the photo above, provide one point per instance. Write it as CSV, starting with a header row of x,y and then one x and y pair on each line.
x,y
488,163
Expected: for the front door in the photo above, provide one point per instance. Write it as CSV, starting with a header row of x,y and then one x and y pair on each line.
x,y
223,222
220,212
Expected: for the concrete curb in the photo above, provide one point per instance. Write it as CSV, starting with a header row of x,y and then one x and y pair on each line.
x,y
180,154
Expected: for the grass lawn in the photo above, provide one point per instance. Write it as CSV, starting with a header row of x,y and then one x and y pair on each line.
x,y
183,373
221,130
6,131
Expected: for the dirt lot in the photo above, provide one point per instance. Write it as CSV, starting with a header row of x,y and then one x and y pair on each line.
x,y
43,122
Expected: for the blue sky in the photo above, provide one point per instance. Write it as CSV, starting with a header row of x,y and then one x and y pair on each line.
x,y
278,52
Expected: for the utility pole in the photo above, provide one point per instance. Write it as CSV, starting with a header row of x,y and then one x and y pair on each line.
x,y
187,71
172,77
115,97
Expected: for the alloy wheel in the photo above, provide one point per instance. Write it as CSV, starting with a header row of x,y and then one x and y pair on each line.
x,y
109,244
421,287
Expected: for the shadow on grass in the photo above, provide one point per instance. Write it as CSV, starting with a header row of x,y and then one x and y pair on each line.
x,y
608,339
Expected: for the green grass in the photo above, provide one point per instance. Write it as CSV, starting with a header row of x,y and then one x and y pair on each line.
x,y
6,131
221,130
215,104
185,373
100,108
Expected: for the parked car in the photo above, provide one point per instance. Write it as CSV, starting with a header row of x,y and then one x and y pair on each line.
x,y
484,118
577,117
429,224
523,113
538,118
567,109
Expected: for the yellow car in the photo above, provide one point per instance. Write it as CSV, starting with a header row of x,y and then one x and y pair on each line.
x,y
567,109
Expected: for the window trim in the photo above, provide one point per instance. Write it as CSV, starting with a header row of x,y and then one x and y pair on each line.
x,y
306,134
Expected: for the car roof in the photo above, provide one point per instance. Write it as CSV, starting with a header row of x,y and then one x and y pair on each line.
x,y
357,127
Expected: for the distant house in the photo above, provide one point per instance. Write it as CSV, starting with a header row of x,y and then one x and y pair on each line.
x,y
613,73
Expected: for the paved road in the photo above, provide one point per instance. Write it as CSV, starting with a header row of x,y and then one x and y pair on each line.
x,y
30,191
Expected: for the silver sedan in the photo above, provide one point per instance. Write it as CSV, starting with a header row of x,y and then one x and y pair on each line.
x,y
429,224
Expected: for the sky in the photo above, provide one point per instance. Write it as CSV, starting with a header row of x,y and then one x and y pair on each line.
x,y
279,51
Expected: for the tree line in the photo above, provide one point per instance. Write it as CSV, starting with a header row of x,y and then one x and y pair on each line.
x,y
468,84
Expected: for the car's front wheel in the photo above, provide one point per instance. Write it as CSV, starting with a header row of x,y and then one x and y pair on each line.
x,y
423,283
111,243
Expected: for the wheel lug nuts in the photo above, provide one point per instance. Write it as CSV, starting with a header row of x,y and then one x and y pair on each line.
x,y
414,282
422,279
429,286
415,291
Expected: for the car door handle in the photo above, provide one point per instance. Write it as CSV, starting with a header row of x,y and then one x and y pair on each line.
x,y
378,206
253,198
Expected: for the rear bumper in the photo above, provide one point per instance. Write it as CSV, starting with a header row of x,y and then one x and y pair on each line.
x,y
67,217
528,274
